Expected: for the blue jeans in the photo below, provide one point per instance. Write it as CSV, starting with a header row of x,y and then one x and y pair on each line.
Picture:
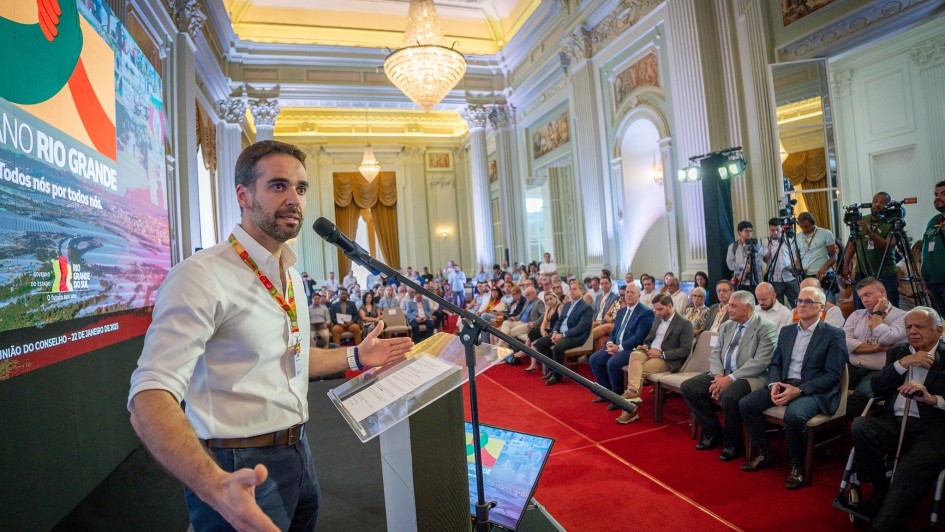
x,y
289,496
798,413
608,369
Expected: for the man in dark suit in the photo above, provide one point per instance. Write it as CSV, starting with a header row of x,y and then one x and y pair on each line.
x,y
665,348
604,301
737,365
718,313
631,327
916,369
804,377
418,313
571,330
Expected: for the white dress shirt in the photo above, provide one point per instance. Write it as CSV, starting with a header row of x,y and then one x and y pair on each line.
x,y
221,342
917,375
778,314
858,332
680,301
647,298
800,349
657,342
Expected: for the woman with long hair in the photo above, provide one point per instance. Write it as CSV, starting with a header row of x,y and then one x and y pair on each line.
x,y
702,280
552,305
369,312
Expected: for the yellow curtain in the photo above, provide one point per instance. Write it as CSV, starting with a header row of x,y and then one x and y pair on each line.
x,y
808,170
375,202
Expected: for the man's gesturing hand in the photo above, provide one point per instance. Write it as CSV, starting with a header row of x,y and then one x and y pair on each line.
x,y
235,499
376,352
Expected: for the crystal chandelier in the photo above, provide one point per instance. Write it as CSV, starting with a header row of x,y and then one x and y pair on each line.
x,y
424,68
369,166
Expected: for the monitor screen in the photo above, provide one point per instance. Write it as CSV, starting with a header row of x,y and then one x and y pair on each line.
x,y
84,234
511,464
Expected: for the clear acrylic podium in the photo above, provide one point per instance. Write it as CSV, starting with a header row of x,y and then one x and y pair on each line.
x,y
416,407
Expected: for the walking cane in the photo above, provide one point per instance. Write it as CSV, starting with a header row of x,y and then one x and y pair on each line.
x,y
902,434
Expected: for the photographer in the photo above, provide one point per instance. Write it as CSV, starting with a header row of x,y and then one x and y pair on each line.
x,y
869,245
933,251
818,253
778,258
747,273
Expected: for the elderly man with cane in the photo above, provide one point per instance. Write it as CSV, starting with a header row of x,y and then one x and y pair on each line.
x,y
912,428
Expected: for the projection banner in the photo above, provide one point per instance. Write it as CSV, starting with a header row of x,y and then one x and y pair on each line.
x,y
84,241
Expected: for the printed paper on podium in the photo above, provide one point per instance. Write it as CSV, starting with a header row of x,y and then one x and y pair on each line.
x,y
382,397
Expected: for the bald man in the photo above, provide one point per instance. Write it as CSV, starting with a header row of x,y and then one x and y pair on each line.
x,y
770,308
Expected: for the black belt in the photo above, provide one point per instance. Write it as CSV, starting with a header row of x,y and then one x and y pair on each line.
x,y
289,436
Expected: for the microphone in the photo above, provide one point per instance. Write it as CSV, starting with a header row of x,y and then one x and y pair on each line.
x,y
331,234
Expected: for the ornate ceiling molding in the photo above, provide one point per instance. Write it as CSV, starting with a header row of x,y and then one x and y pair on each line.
x,y
628,13
232,110
577,46
502,116
842,83
878,13
476,116
441,180
265,112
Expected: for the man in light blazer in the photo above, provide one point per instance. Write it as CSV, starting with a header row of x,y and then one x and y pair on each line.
x,y
530,316
665,348
631,326
604,301
737,366
571,330
804,377
418,313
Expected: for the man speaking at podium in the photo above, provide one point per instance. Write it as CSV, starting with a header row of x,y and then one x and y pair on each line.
x,y
228,339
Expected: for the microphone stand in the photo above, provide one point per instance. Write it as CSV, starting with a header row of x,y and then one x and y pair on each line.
x,y
473,326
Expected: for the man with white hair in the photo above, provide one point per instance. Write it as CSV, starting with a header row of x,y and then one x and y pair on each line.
x,y
737,366
916,371
804,377
830,313
770,308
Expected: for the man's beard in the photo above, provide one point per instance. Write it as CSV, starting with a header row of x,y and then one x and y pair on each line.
x,y
270,225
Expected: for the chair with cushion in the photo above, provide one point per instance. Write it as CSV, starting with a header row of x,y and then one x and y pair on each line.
x,y
573,355
817,424
395,323
670,383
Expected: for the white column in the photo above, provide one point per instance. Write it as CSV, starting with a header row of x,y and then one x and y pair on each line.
x,y
190,21
312,250
476,116
512,193
412,199
229,145
265,112
465,224
588,151
930,57
672,212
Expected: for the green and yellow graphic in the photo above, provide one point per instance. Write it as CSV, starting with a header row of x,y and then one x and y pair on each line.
x,y
62,275
491,449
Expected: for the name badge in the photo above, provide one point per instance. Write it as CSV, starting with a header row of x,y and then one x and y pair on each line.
x,y
297,359
871,245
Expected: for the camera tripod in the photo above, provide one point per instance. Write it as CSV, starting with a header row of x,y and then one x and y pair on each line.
x,y
749,276
788,238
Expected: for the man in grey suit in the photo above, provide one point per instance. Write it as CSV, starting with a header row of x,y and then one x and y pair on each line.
x,y
804,377
418,313
737,366
665,348
603,323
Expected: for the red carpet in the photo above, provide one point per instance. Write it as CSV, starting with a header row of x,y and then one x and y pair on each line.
x,y
605,476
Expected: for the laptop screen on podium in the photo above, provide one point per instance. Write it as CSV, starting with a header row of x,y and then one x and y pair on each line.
x,y
511,464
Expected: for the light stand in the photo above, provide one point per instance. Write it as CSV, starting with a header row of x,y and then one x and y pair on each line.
x,y
473,326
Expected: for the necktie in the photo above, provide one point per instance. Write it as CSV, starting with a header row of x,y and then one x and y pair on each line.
x,y
732,346
623,325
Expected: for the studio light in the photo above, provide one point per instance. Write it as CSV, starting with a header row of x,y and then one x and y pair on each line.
x,y
692,173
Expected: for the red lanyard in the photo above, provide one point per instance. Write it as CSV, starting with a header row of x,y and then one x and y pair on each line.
x,y
288,307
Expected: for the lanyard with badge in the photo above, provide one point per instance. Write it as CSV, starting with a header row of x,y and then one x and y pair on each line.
x,y
295,338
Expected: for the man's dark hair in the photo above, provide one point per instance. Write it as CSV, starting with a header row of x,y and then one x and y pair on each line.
x,y
246,171
663,299
806,216
868,281
940,184
725,282
888,197
775,221
744,225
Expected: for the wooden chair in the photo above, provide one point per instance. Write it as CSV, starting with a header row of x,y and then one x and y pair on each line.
x,y
817,424
670,383
572,355
395,323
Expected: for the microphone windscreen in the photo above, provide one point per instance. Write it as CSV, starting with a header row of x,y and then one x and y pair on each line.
x,y
323,227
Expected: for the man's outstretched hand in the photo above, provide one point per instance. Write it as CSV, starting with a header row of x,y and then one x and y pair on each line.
x,y
234,498
376,352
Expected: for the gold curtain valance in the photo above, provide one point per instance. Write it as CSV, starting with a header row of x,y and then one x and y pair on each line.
x,y
807,166
352,186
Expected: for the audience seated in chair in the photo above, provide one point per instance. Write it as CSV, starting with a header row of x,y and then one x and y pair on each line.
x,y
804,376
697,311
738,366
571,330
870,332
344,318
649,290
718,313
419,314
664,349
915,370
680,298
633,324
604,313
770,308
320,318
528,315
830,314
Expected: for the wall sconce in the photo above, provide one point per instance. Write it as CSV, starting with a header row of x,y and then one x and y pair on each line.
x,y
444,232
657,171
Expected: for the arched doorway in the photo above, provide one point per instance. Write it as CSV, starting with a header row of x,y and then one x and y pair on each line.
x,y
645,230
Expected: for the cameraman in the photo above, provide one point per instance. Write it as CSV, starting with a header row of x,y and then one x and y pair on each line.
x,y
748,275
933,251
818,253
778,258
873,240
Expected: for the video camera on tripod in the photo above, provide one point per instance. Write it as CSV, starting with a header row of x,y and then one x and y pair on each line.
x,y
892,213
786,217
